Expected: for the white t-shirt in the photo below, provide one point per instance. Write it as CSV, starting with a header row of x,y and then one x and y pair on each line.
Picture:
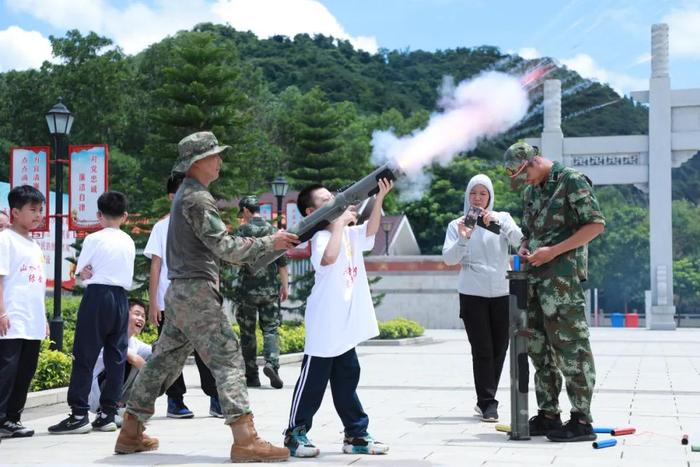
x,y
137,347
339,310
111,254
24,286
156,246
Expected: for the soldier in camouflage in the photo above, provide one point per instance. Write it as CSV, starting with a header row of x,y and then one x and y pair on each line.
x,y
257,296
197,241
561,216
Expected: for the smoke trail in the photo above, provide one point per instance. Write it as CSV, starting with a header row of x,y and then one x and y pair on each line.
x,y
479,108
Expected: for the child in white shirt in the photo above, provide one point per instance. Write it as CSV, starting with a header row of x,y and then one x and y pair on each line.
x,y
22,313
106,265
339,315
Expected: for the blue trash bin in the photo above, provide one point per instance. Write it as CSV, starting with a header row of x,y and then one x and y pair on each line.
x,y
617,320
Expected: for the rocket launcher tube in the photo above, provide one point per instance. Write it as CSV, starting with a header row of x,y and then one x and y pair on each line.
x,y
321,217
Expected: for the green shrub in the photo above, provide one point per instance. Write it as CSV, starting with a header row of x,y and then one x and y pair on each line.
x,y
400,328
52,371
149,334
292,338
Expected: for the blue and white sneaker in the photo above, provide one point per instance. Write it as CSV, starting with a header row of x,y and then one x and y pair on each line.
x,y
363,445
215,408
178,409
299,445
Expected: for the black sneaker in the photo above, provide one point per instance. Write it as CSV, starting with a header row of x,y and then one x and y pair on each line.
x,y
253,381
573,430
71,425
104,422
541,424
275,380
12,429
490,414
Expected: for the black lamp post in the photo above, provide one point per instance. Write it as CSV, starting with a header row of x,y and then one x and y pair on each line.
x,y
60,121
279,189
386,227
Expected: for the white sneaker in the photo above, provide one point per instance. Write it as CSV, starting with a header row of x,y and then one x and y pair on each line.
x,y
363,445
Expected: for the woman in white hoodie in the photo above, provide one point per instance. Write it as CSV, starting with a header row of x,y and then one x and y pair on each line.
x,y
483,288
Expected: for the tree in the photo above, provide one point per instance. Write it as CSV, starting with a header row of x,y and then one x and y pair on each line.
x,y
198,93
322,142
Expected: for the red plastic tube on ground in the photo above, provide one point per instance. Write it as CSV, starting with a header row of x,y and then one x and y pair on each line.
x,y
628,430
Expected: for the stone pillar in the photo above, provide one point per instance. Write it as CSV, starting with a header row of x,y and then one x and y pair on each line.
x,y
660,202
552,136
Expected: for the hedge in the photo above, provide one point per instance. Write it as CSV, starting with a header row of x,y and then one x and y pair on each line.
x,y
53,369
399,328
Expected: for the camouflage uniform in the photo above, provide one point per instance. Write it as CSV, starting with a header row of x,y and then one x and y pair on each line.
x,y
257,295
553,212
197,240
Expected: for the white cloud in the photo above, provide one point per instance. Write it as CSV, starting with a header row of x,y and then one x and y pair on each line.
x,y
286,17
529,53
136,25
20,49
586,66
133,28
684,30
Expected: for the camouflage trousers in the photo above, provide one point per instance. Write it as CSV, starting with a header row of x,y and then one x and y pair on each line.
x,y
196,321
249,308
559,344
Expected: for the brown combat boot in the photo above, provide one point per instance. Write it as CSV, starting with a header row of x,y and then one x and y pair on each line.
x,y
132,437
249,447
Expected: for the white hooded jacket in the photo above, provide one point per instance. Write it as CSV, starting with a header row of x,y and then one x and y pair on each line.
x,y
484,257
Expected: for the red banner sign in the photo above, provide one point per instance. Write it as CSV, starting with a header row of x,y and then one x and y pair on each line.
x,y
30,166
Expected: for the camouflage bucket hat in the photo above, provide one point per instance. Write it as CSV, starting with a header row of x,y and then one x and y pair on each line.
x,y
196,147
248,202
516,159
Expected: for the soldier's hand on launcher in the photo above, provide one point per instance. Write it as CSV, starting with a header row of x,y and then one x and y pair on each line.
x,y
282,240
385,187
541,256
524,253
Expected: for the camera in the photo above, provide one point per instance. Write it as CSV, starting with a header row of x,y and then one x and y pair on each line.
x,y
475,216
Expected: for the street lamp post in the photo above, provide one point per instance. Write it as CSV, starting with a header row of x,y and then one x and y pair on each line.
x,y
60,121
386,227
279,189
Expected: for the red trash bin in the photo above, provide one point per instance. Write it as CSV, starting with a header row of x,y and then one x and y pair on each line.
x,y
632,320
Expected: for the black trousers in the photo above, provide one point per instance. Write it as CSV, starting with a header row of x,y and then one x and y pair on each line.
x,y
18,360
178,389
486,323
343,372
103,319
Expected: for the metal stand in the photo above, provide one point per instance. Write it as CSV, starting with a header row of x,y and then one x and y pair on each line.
x,y
519,369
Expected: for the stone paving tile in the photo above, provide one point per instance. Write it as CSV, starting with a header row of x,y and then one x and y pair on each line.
x,y
420,401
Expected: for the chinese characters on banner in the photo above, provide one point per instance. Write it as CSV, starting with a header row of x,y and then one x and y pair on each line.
x,y
88,180
30,166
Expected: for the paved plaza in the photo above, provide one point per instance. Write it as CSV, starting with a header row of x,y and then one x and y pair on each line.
x,y
420,400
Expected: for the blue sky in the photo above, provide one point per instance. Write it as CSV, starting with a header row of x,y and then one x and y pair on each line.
x,y
604,40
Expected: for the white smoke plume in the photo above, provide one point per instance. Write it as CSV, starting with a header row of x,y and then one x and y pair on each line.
x,y
475,109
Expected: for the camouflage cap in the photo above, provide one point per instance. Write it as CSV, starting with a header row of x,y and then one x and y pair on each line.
x,y
250,201
195,147
517,156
